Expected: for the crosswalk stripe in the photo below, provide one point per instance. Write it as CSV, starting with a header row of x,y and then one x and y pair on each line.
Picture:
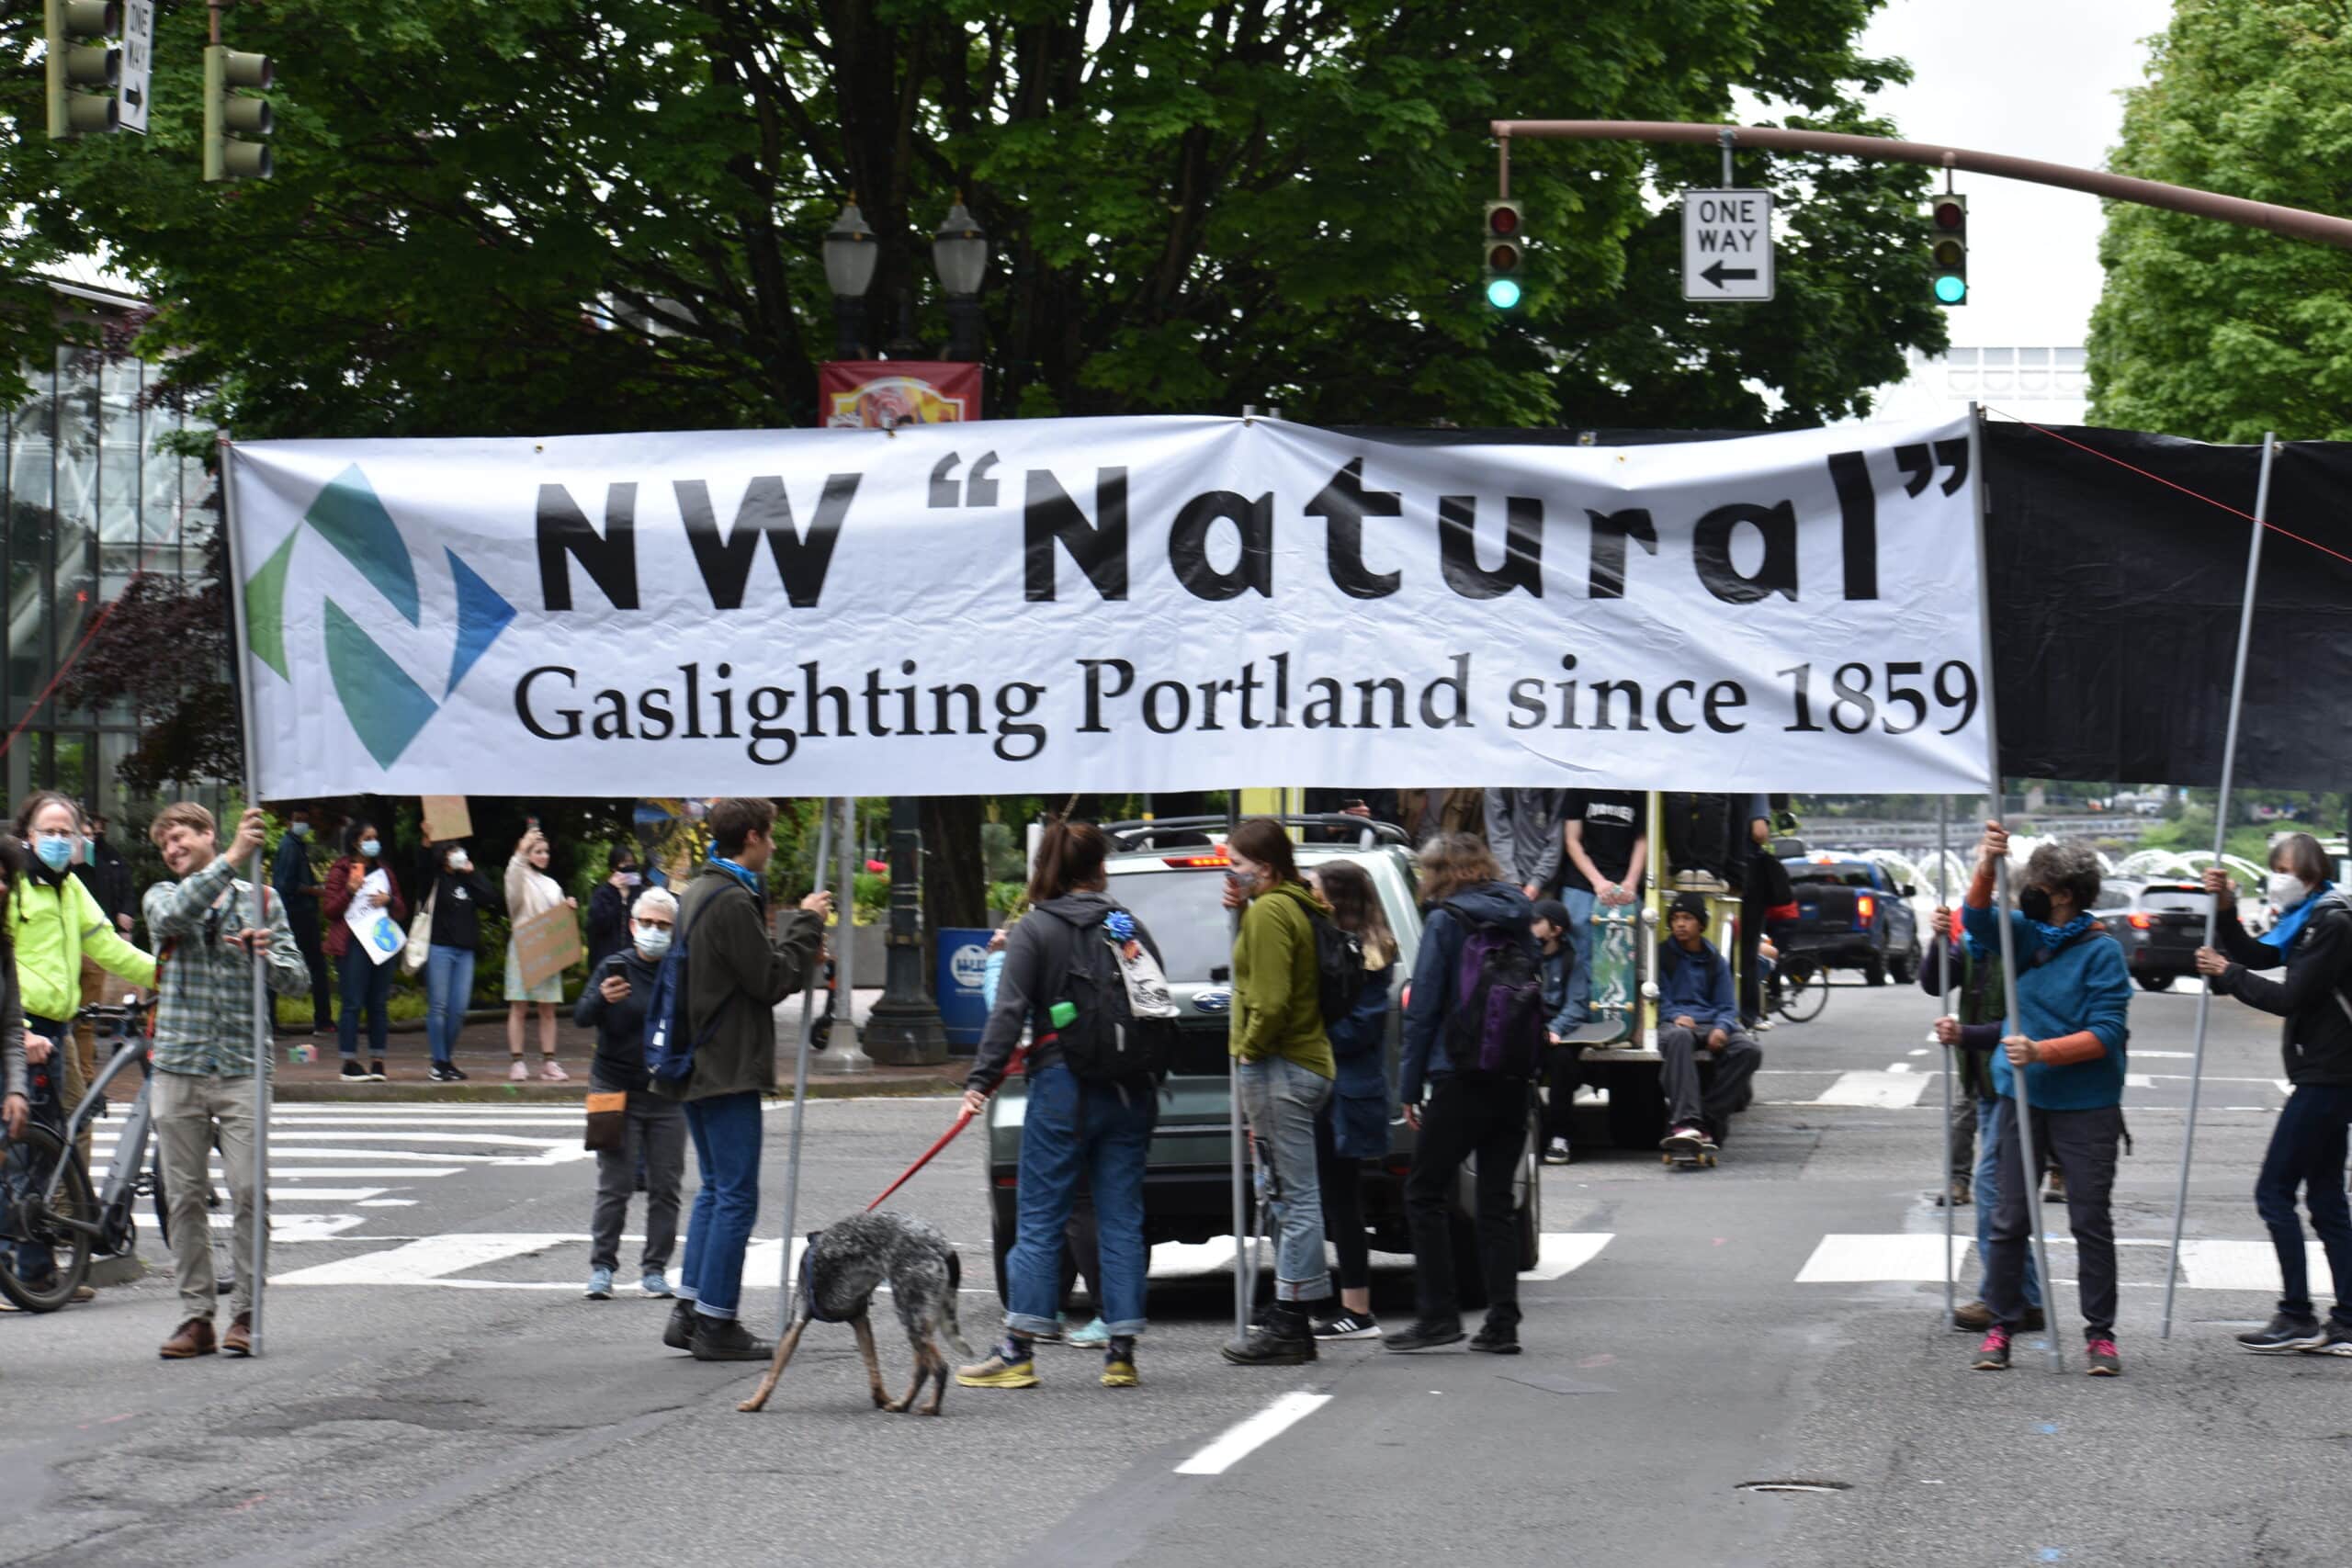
x,y
1881,1090
1916,1258
424,1261
1855,1259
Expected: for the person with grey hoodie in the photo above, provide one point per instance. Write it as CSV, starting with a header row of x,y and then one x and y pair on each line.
x,y
1524,829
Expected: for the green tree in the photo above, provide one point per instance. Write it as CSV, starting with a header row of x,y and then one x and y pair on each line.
x,y
2206,328
585,215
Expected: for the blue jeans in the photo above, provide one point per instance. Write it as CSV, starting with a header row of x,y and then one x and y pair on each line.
x,y
1581,902
726,1132
448,986
1993,1119
1070,1130
2307,1151
366,985
1281,1101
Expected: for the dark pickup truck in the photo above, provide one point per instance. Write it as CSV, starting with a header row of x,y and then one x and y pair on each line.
x,y
1851,915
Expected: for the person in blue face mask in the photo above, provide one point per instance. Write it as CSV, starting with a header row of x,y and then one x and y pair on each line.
x,y
298,885
367,985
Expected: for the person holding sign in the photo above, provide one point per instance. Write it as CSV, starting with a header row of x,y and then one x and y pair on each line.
x,y
456,897
366,919
531,892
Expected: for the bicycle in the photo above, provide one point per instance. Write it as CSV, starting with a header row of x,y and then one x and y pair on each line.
x,y
47,1205
1798,990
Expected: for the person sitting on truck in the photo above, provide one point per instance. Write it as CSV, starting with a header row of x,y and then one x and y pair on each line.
x,y
1698,1014
1561,1059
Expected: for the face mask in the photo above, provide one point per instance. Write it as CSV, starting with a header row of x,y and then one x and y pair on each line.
x,y
370,848
56,850
300,829
2034,904
2287,890
461,862
630,879
652,941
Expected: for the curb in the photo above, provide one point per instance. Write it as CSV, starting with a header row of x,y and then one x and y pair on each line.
x,y
505,1092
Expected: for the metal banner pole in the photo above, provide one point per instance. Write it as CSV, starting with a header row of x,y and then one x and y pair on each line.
x,y
800,1078
2027,1163
2221,840
1245,1279
263,1044
1953,1055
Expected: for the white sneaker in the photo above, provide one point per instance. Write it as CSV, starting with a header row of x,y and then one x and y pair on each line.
x,y
518,1072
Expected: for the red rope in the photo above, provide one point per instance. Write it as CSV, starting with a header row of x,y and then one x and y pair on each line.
x,y
2168,484
67,667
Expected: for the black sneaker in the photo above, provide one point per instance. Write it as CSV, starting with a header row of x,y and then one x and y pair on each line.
x,y
352,1072
1557,1151
1426,1336
1348,1326
375,1073
679,1331
2336,1340
1497,1339
724,1339
1280,1339
446,1072
2284,1335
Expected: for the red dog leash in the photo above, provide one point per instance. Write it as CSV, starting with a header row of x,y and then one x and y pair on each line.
x,y
963,1120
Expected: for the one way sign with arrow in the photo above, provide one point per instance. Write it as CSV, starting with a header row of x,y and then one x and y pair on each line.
x,y
1726,244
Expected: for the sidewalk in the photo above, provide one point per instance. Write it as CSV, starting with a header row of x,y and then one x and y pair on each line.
x,y
483,1055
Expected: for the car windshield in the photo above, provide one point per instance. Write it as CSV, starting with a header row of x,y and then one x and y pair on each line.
x,y
2188,900
1853,873
2118,896
1184,911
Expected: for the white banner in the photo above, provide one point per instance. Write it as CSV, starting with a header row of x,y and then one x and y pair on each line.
x,y
1114,605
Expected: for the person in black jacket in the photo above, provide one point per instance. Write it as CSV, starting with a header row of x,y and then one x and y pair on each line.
x,y
107,874
653,1130
297,882
2314,937
457,894
609,905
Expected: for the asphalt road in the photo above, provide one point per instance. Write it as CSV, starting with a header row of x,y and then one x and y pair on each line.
x,y
435,1390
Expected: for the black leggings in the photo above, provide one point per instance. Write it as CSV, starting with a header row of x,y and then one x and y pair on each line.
x,y
1341,1180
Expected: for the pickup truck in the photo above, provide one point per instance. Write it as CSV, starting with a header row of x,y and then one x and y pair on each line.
x,y
1851,915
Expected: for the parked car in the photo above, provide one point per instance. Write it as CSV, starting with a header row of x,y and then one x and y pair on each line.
x,y
1171,874
1851,915
2160,924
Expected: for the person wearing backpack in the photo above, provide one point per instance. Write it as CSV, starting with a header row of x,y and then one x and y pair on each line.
x,y
734,976
1092,1101
1283,1073
652,1130
1474,1031
2314,937
1697,1014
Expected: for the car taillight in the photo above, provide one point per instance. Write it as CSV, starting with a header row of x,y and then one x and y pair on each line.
x,y
1193,862
1404,1000
1865,909
1001,1181
2141,923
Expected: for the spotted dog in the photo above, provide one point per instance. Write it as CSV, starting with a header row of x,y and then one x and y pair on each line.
x,y
838,1272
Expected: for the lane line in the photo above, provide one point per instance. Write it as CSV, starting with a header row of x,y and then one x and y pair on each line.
x,y
1245,1438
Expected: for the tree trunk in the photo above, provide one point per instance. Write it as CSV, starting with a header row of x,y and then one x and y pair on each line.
x,y
954,879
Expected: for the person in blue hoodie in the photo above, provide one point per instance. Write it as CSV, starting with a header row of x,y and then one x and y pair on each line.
x,y
1353,1126
1697,1016
1468,1113
2073,997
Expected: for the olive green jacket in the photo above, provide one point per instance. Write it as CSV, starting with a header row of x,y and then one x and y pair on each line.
x,y
1277,993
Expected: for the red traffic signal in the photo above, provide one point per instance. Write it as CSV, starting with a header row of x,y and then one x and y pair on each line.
x,y
1950,213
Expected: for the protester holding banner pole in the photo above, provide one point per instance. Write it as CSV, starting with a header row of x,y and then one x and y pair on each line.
x,y
531,892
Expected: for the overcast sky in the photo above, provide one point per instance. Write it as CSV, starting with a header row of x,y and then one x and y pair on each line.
x,y
2037,79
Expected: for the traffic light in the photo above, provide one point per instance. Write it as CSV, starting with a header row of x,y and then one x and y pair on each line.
x,y
230,113
1947,239
1503,243
83,66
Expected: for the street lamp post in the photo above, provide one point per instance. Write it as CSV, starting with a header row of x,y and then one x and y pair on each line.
x,y
905,1026
851,256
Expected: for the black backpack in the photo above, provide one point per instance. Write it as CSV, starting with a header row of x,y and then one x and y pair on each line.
x,y
1338,968
1126,1021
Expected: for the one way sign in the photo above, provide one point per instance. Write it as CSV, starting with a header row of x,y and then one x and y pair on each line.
x,y
1726,244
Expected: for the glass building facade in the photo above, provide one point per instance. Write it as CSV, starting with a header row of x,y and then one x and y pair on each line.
x,y
91,500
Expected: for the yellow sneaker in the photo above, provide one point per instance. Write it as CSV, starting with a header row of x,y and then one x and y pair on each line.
x,y
1119,1374
998,1372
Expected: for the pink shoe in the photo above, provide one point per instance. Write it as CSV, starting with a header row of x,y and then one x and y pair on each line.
x,y
552,1071
518,1072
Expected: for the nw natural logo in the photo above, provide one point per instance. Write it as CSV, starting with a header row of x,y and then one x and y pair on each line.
x,y
387,708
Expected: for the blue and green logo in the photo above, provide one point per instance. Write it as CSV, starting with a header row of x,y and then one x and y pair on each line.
x,y
387,708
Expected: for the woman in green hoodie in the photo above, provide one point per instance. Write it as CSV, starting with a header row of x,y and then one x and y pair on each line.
x,y
1283,1072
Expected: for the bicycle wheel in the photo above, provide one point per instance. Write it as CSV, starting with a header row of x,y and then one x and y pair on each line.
x,y
29,1225
1804,994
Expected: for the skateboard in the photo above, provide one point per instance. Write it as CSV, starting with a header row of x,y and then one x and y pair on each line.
x,y
1685,1153
1616,968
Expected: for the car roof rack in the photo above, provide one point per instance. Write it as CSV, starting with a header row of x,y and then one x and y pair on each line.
x,y
1366,831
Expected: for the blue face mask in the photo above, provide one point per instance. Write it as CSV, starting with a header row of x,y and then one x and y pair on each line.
x,y
300,829
56,850
370,848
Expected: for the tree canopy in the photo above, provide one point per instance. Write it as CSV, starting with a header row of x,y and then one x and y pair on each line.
x,y
547,216
2205,328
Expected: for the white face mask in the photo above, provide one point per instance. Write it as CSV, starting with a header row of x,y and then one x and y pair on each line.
x,y
2286,889
460,861
652,941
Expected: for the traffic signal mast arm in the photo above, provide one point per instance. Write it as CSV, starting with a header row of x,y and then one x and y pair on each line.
x,y
2291,222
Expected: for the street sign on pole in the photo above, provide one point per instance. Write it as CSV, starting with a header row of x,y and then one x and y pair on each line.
x,y
138,56
1726,244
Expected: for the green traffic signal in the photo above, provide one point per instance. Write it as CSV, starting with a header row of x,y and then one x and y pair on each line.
x,y
1948,248
1502,293
1951,290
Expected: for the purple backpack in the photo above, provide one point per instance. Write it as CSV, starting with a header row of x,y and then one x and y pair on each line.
x,y
1497,1025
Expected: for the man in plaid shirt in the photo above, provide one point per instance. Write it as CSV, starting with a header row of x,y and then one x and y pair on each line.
x,y
209,930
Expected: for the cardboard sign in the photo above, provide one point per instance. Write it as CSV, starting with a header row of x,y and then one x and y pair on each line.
x,y
545,945
447,818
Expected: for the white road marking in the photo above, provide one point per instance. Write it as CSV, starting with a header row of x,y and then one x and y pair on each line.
x,y
2240,1265
1912,1258
424,1261
1245,1438
282,1227
1560,1253
1886,1091
1848,1260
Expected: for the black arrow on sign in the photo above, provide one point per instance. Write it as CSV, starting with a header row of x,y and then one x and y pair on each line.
x,y
133,97
1718,274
